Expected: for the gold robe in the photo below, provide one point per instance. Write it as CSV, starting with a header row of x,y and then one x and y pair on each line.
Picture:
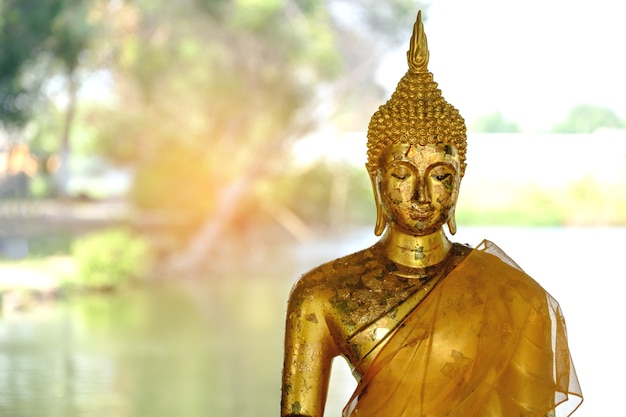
x,y
488,341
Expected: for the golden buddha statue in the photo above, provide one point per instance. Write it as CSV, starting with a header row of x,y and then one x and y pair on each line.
x,y
429,327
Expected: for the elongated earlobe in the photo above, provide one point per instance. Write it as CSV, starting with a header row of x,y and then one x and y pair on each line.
x,y
380,220
452,223
380,215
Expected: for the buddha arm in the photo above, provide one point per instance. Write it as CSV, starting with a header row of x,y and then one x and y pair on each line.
x,y
309,350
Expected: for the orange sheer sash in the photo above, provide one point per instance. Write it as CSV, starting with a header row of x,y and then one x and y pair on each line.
x,y
487,342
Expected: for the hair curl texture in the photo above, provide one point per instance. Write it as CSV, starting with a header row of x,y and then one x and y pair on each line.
x,y
416,114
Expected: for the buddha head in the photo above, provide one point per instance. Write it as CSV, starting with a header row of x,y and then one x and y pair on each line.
x,y
416,150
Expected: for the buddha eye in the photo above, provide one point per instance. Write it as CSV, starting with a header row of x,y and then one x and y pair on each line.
x,y
400,174
441,177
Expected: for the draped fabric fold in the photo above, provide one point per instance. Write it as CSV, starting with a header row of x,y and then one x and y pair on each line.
x,y
487,341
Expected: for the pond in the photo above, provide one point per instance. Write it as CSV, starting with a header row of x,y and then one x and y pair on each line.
x,y
193,348
213,346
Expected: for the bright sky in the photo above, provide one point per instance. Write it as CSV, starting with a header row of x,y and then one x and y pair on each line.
x,y
533,60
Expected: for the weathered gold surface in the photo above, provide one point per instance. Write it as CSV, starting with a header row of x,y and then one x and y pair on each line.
x,y
348,306
353,306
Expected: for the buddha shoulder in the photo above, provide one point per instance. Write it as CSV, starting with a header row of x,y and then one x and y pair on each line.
x,y
324,281
351,291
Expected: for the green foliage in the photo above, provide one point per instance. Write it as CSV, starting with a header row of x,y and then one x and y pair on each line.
x,y
587,118
24,29
494,123
32,32
110,259
72,33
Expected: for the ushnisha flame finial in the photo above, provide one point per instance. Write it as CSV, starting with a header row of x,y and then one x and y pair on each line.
x,y
417,55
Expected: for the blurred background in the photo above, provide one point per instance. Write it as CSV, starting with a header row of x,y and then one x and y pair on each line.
x,y
169,169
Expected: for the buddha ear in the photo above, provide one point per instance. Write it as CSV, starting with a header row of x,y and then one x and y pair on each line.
x,y
380,214
452,222
451,216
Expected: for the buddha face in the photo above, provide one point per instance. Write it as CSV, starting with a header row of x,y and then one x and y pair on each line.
x,y
418,186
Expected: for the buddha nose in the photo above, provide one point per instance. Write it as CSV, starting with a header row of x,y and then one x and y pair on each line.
x,y
421,193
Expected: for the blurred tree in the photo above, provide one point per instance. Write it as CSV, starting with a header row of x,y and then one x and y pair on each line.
x,y
586,118
42,43
72,34
25,27
494,123
213,92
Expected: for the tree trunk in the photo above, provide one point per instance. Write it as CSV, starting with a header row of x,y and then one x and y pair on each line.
x,y
63,174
